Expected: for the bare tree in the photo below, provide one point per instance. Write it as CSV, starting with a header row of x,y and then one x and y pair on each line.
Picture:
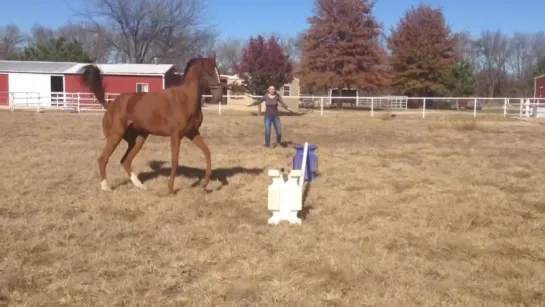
x,y
521,62
538,45
142,30
465,45
228,53
492,58
94,43
40,35
11,40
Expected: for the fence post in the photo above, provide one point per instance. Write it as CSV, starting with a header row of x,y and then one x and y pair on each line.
x,y
11,101
505,107
424,108
475,107
78,103
357,98
322,106
520,108
372,107
219,108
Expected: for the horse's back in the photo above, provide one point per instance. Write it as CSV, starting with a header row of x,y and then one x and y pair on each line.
x,y
157,113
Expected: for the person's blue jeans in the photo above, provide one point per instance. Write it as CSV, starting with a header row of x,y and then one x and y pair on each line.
x,y
275,121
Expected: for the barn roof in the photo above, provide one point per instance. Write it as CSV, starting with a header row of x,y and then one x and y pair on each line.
x,y
35,67
126,69
73,68
539,77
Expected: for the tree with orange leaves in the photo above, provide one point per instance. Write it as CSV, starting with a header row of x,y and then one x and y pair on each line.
x,y
341,48
423,52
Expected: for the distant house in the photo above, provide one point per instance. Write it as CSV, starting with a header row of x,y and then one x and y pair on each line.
x,y
289,91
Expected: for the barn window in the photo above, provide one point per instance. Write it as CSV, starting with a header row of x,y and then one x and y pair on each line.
x,y
142,87
287,90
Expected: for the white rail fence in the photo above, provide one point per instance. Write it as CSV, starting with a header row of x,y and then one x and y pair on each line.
x,y
508,107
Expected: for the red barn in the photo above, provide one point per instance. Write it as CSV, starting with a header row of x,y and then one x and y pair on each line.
x,y
44,83
29,81
4,89
539,87
126,78
58,83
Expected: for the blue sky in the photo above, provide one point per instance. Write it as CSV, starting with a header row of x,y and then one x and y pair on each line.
x,y
242,18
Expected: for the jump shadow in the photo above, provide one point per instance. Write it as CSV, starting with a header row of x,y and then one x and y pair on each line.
x,y
306,207
162,169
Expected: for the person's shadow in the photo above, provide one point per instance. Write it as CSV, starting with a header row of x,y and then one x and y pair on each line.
x,y
162,169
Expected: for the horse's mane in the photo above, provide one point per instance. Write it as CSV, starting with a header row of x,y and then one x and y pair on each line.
x,y
188,66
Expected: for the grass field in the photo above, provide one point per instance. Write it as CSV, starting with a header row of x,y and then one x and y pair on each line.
x,y
406,212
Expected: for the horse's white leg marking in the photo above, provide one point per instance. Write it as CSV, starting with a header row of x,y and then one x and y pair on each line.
x,y
137,183
104,185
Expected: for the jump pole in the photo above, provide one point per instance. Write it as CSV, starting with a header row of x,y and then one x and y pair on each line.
x,y
303,166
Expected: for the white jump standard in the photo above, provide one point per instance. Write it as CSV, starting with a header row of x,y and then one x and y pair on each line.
x,y
285,198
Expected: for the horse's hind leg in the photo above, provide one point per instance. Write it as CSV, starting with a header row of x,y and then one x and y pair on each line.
x,y
135,141
197,139
111,143
113,131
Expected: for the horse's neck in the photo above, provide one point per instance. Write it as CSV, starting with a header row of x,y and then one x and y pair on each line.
x,y
193,89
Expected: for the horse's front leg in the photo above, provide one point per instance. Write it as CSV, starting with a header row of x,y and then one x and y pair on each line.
x,y
175,140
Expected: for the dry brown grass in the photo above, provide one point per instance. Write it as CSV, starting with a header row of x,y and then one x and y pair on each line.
x,y
406,212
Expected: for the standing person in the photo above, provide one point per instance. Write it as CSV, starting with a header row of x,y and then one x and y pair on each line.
x,y
272,99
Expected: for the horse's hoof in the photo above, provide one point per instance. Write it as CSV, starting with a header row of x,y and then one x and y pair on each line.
x,y
104,186
204,184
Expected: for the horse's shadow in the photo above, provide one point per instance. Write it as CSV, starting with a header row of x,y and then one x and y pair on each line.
x,y
162,169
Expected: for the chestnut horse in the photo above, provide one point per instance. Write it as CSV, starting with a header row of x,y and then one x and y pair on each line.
x,y
175,112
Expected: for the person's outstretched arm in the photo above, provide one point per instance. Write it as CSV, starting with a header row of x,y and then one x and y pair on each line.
x,y
257,101
283,104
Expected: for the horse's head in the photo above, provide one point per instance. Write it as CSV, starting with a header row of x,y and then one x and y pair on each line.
x,y
208,74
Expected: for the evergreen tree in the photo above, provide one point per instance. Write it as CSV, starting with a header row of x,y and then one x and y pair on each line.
x,y
423,52
56,50
341,48
461,81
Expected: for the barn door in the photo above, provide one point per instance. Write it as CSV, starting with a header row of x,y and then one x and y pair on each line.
x,y
57,91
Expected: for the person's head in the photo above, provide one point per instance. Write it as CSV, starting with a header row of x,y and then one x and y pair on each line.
x,y
271,89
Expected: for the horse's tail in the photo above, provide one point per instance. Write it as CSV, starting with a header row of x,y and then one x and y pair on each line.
x,y
92,79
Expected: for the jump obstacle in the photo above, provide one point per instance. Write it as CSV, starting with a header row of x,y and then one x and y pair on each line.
x,y
526,108
285,197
